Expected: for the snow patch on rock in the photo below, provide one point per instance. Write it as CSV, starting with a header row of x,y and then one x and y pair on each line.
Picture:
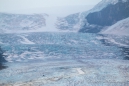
x,y
120,28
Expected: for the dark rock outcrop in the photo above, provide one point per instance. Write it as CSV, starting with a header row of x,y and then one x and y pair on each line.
x,y
2,59
109,15
106,17
91,29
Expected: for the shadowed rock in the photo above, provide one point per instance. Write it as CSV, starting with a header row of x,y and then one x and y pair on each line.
x,y
2,66
2,59
109,15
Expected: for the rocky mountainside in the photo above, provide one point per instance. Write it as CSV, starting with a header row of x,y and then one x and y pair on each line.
x,y
121,27
104,14
109,15
106,17
68,23
17,22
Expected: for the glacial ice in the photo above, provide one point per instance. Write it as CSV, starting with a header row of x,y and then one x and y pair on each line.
x,y
64,59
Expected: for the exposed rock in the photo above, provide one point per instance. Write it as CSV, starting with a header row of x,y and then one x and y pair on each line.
x,y
2,59
109,15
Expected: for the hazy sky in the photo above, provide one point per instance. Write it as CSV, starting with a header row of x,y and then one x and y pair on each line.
x,y
24,5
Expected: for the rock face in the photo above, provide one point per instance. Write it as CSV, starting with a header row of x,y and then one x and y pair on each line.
x,y
119,28
109,15
104,14
2,56
91,29
2,59
10,22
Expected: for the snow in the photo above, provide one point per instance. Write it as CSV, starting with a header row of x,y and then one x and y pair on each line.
x,y
46,46
113,41
69,74
99,7
26,41
94,42
103,4
80,71
50,24
62,59
22,23
120,28
78,20
120,44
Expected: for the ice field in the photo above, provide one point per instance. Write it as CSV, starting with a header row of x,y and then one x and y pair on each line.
x,y
65,59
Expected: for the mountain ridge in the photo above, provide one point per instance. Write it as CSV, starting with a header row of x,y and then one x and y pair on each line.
x,y
82,21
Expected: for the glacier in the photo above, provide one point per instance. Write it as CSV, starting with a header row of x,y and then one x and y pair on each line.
x,y
46,50
47,45
64,59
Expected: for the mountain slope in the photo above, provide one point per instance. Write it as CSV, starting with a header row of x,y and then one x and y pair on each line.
x,y
68,23
105,13
120,28
23,23
109,15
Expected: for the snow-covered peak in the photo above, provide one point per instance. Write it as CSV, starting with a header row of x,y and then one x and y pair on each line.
x,y
100,6
24,23
21,22
120,28
78,20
